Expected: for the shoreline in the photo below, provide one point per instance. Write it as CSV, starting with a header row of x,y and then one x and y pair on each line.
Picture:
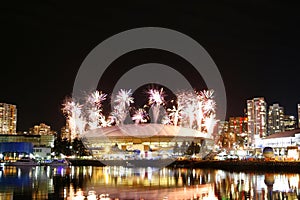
x,y
241,165
235,165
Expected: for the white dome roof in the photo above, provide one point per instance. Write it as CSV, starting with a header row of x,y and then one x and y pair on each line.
x,y
144,130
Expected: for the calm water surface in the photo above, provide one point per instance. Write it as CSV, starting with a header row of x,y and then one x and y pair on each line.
x,y
143,183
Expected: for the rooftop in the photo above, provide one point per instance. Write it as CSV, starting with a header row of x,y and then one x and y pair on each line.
x,y
145,130
284,134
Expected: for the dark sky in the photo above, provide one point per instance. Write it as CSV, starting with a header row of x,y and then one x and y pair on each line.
x,y
255,45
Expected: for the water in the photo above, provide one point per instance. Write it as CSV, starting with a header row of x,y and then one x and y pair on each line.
x,y
143,183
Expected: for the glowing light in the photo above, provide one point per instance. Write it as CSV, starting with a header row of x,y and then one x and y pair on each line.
x,y
104,122
122,100
74,117
97,98
156,96
192,109
79,195
174,114
156,99
140,116
95,118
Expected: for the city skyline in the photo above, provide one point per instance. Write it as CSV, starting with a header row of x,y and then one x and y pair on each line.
x,y
273,116
256,52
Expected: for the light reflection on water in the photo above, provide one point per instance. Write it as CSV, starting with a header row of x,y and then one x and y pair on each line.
x,y
143,183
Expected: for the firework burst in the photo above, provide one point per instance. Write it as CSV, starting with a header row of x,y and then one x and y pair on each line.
x,y
93,109
156,96
193,110
122,101
75,121
174,114
156,99
140,116
124,98
96,99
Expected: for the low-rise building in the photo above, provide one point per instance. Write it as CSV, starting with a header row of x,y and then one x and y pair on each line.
x,y
42,153
282,142
36,140
290,122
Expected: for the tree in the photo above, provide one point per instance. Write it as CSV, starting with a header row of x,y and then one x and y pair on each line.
x,y
78,148
193,149
62,146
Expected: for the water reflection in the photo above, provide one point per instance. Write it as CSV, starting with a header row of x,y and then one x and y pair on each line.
x,y
143,183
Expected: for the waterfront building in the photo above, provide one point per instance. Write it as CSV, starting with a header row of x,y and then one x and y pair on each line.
x,y
42,153
222,127
238,125
12,150
8,118
257,119
41,129
283,142
150,141
222,132
36,140
65,133
275,119
15,146
290,122
238,130
15,150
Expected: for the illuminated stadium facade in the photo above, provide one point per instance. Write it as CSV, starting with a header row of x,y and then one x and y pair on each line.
x,y
143,142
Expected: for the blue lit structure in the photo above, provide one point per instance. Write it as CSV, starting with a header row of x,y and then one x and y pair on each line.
x,y
17,147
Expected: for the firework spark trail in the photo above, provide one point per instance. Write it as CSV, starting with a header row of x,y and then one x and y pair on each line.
x,y
93,106
93,117
97,98
156,99
123,100
104,122
199,114
156,96
207,109
166,120
194,109
188,100
87,115
189,112
74,117
210,123
140,116
175,114
209,105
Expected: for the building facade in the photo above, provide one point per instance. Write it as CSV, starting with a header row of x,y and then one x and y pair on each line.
x,y
150,141
275,119
290,122
8,118
238,133
42,129
238,125
43,153
222,133
222,127
65,133
36,140
257,119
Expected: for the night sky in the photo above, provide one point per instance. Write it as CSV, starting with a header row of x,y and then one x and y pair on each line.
x,y
256,46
